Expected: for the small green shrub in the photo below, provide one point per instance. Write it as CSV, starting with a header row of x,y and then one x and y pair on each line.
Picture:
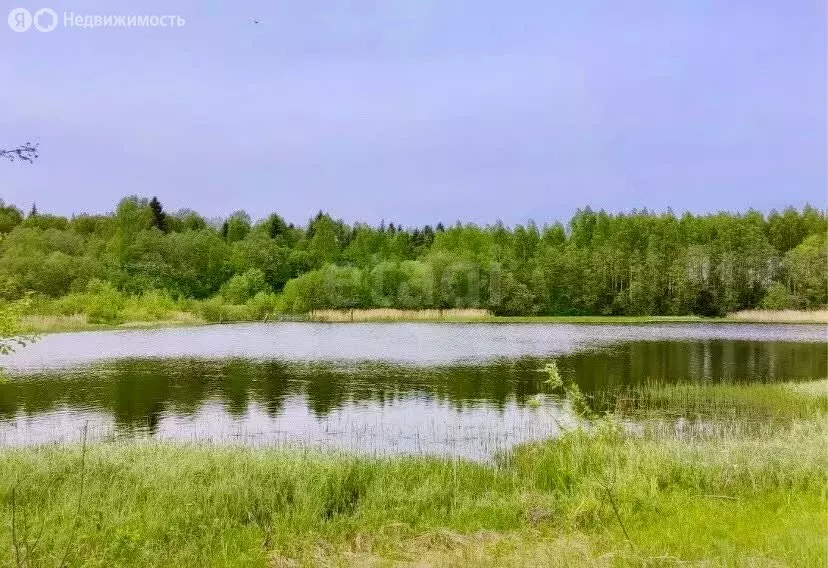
x,y
777,298
103,302
150,306
242,287
213,309
262,304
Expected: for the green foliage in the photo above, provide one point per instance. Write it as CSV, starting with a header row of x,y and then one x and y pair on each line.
x,y
776,298
323,243
159,217
11,335
236,227
242,287
570,389
705,304
213,310
553,379
635,264
10,217
262,305
305,293
152,305
807,268
103,302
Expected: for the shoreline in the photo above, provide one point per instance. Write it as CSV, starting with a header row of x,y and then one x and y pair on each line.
x,y
36,324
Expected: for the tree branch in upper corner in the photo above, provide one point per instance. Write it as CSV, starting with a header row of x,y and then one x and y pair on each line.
x,y
26,153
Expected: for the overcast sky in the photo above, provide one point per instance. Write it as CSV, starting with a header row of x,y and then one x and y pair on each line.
x,y
415,111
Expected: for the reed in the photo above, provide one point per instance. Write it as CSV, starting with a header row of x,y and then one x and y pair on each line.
x,y
80,322
756,403
780,316
389,314
53,322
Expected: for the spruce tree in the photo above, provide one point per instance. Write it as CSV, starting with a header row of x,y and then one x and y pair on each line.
x,y
159,218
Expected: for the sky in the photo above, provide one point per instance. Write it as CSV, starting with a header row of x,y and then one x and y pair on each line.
x,y
418,111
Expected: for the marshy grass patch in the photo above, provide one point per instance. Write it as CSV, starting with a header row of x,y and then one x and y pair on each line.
x,y
600,495
755,403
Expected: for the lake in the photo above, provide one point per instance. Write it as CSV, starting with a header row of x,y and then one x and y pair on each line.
x,y
449,389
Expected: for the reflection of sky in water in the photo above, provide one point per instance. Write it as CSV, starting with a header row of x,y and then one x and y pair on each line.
x,y
402,427
414,343
441,389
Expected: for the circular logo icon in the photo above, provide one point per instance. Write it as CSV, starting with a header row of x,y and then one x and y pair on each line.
x,y
20,19
45,20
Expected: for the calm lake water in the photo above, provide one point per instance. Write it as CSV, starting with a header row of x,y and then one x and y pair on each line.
x,y
449,389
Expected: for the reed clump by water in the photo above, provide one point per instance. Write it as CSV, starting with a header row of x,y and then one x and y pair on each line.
x,y
756,403
54,322
600,495
781,316
389,314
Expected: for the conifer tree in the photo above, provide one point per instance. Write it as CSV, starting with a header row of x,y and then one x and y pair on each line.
x,y
159,218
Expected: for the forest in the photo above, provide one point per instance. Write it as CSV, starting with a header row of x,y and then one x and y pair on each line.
x,y
599,263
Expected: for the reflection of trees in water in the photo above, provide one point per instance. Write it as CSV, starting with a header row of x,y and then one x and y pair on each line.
x,y
708,361
138,392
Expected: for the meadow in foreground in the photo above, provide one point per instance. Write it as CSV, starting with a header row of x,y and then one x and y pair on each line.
x,y
739,483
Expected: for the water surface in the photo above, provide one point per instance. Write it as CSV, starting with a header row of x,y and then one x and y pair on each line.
x,y
450,389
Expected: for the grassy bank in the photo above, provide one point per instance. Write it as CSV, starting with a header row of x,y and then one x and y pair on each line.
x,y
80,322
238,314
391,315
606,496
103,307
51,323
473,315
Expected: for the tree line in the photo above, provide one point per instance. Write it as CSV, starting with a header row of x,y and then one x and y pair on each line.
x,y
636,263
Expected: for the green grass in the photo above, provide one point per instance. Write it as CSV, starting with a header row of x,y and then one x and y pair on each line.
x,y
726,496
729,403
39,324
241,314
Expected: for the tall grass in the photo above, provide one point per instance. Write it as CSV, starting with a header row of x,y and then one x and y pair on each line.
x,y
104,305
602,495
37,322
107,307
756,403
389,314
781,316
